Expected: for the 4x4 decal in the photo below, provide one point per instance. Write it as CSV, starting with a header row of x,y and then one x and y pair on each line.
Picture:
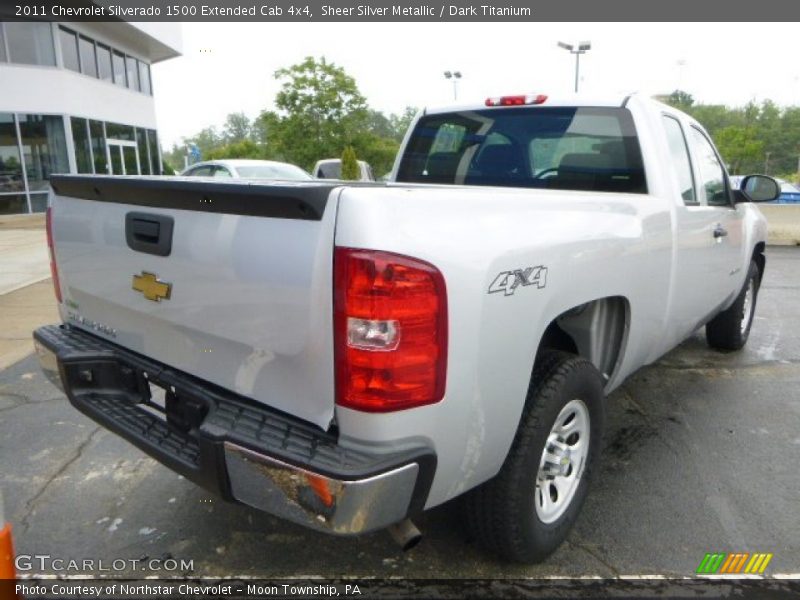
x,y
508,281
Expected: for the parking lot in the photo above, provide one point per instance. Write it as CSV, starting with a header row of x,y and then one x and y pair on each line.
x,y
701,455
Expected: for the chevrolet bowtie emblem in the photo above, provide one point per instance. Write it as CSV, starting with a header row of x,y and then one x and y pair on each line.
x,y
151,287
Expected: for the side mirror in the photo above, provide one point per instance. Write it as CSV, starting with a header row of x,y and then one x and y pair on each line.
x,y
758,188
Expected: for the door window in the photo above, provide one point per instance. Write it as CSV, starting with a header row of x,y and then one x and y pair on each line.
x,y
131,164
116,160
681,162
711,174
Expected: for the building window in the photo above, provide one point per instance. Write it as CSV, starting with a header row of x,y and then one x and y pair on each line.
x,y
30,43
3,57
85,55
144,78
119,69
105,70
144,155
10,163
98,138
133,73
152,144
69,49
115,131
88,58
39,202
44,148
13,204
83,150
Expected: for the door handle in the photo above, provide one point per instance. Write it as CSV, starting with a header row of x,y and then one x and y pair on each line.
x,y
720,231
149,233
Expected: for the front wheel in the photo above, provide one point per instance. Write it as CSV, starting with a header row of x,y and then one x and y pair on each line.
x,y
526,511
730,329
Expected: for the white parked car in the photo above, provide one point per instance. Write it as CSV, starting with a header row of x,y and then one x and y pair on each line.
x,y
347,356
240,168
331,168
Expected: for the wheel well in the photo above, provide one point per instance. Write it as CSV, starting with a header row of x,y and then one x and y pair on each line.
x,y
594,330
761,260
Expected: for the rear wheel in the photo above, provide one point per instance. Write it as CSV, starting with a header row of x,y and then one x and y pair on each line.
x,y
526,511
730,329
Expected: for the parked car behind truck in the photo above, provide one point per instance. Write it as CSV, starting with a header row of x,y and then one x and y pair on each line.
x,y
243,168
348,356
331,168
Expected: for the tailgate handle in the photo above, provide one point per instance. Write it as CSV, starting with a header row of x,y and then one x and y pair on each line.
x,y
149,233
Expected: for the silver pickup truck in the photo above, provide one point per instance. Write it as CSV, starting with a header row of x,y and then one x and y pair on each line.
x,y
348,355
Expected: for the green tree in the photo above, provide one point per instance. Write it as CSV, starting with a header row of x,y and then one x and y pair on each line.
x,y
680,100
321,111
739,146
240,149
206,140
237,128
751,138
401,122
379,152
350,169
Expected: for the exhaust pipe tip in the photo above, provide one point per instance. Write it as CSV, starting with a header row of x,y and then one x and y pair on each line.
x,y
405,534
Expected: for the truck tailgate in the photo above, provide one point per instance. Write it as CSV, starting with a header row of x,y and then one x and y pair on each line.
x,y
240,293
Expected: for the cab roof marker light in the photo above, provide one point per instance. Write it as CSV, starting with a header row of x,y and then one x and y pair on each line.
x,y
520,100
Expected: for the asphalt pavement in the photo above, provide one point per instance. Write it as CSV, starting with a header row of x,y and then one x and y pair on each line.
x,y
701,455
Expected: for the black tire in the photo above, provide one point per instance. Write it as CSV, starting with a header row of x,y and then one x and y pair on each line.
x,y
730,329
501,514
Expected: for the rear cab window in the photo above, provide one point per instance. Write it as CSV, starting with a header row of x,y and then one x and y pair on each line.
x,y
331,170
568,148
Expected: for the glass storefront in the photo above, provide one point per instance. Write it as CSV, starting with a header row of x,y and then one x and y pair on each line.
x,y
97,135
44,148
10,162
80,141
32,147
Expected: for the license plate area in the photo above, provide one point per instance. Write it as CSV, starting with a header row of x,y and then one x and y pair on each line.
x,y
174,406
156,404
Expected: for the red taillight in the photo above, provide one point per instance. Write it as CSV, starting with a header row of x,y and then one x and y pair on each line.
x,y
390,319
52,250
516,100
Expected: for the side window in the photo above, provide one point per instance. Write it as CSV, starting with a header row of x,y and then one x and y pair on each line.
x,y
204,171
679,152
221,172
711,175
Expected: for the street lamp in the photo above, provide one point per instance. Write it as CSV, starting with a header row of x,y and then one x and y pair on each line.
x,y
455,76
583,48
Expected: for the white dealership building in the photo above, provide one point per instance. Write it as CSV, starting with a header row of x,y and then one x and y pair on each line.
x,y
77,98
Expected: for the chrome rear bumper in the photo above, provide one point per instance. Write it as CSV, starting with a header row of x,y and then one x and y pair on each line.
x,y
317,501
242,450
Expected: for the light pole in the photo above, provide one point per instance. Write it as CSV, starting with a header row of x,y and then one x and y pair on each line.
x,y
681,63
583,48
455,76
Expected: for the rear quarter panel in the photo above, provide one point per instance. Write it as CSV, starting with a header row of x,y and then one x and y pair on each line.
x,y
593,245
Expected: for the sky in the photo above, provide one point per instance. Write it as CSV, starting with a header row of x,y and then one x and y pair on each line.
x,y
229,67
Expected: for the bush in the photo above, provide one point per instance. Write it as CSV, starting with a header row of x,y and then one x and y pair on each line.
x,y
350,169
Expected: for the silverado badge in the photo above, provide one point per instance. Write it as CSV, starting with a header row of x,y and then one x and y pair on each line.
x,y
152,287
